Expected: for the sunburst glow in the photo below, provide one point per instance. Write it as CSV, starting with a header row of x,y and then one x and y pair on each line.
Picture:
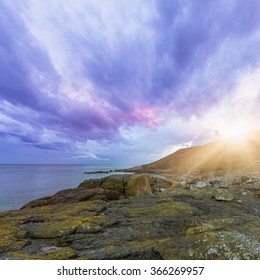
x,y
233,127
235,131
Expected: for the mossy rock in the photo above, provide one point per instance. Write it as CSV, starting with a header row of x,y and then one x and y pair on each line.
x,y
95,224
62,212
104,221
113,187
213,224
65,253
143,244
57,229
10,229
138,184
253,227
113,182
10,236
163,209
133,250
89,228
18,255
199,229
55,221
75,209
11,244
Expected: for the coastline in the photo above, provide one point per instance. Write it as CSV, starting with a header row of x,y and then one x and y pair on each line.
x,y
21,183
155,215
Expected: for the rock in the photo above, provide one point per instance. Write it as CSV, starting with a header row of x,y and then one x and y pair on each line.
x,y
85,195
11,236
47,250
109,188
56,229
244,193
201,184
138,184
224,196
192,181
183,183
59,253
89,228
65,253
215,180
236,182
244,179
7,244
158,182
113,187
250,181
220,245
200,229
162,209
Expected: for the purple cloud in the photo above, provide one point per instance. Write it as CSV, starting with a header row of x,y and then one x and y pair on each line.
x,y
79,72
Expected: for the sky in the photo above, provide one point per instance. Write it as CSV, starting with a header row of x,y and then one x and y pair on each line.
x,y
124,81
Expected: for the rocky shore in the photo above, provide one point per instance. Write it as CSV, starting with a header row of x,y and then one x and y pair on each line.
x,y
153,215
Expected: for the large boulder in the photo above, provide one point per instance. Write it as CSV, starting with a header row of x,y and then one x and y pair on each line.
x,y
138,184
113,187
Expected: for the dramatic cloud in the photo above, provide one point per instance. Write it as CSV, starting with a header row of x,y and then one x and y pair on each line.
x,y
114,79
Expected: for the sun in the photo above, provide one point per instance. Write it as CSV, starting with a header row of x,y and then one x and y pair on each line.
x,y
235,131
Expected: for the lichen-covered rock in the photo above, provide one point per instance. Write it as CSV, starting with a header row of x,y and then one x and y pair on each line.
x,y
89,228
10,229
200,229
65,253
10,236
56,229
128,223
11,244
162,209
219,245
113,187
138,184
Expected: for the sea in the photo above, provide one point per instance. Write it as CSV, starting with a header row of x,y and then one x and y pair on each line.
x,y
21,183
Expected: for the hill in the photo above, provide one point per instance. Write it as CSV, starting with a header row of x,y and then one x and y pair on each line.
x,y
218,155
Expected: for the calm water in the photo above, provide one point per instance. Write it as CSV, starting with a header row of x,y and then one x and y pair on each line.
x,y
20,184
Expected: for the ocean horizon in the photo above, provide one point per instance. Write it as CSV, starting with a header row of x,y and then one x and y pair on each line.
x,y
21,183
